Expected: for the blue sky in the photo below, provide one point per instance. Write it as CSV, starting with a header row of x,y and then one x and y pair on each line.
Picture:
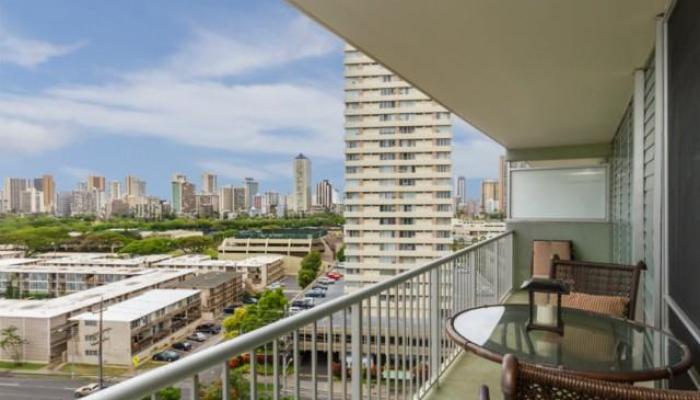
x,y
155,87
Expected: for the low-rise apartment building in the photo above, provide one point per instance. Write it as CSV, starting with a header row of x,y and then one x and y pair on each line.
x,y
132,329
45,325
258,271
473,231
11,254
32,280
218,290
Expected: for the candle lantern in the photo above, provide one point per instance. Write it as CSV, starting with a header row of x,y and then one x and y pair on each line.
x,y
545,316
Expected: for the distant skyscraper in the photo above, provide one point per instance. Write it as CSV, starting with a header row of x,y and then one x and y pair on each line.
x,y
63,204
184,201
251,189
226,199
324,194
502,176
462,190
209,183
239,199
302,183
135,187
48,187
489,196
96,183
398,173
257,202
115,190
12,191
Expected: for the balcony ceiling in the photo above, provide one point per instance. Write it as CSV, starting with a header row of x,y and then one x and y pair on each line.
x,y
528,73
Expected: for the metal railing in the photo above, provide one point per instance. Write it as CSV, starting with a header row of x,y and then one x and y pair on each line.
x,y
386,340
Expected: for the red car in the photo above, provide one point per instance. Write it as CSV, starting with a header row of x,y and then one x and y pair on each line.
x,y
334,275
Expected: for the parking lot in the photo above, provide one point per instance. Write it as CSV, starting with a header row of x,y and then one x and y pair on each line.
x,y
333,290
207,340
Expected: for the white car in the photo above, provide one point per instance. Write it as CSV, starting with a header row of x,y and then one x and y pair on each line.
x,y
295,310
87,389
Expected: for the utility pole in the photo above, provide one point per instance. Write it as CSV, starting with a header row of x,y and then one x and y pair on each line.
x,y
101,339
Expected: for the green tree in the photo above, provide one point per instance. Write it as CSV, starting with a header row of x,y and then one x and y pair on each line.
x,y
340,255
194,244
310,267
312,261
11,342
154,245
305,277
270,308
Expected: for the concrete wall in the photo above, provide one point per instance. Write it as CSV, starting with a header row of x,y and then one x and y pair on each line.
x,y
591,242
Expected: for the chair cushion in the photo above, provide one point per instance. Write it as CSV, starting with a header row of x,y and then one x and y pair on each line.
x,y
542,252
611,305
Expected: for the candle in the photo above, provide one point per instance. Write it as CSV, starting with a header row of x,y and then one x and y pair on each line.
x,y
546,315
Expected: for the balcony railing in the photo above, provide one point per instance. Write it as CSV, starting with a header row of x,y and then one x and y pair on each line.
x,y
387,339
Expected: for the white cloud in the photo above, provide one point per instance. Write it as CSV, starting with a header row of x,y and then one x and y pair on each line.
x,y
18,136
30,52
186,101
214,54
260,170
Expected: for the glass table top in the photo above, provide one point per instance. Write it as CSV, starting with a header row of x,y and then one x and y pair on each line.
x,y
592,343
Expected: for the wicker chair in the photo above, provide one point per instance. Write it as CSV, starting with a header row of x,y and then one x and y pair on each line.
x,y
527,382
601,279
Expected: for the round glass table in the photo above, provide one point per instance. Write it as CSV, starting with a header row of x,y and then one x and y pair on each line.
x,y
593,345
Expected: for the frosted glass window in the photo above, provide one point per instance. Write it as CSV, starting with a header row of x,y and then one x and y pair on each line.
x,y
565,194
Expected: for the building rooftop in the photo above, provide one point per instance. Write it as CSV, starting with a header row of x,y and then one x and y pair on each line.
x,y
296,233
198,260
75,301
208,280
139,306
40,268
103,259
6,262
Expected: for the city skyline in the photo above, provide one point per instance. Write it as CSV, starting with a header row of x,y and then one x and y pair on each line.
x,y
87,76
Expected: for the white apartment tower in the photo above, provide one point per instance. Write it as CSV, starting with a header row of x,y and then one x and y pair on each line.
x,y
398,174
302,183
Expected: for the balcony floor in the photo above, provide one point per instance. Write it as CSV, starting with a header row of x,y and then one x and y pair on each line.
x,y
469,372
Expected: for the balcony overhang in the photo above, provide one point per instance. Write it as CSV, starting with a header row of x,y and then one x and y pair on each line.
x,y
528,73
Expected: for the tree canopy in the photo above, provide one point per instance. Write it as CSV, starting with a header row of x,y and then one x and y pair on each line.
x,y
269,308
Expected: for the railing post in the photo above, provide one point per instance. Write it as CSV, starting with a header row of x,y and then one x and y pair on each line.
x,y
498,268
356,345
195,387
253,376
275,370
435,323
225,382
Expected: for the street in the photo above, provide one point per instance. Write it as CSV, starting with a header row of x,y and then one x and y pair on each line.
x,y
39,388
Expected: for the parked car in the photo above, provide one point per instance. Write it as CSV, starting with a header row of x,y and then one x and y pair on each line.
x,y
183,346
210,328
326,281
315,293
304,303
334,275
276,285
167,356
320,287
295,310
197,337
87,389
230,309
247,299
